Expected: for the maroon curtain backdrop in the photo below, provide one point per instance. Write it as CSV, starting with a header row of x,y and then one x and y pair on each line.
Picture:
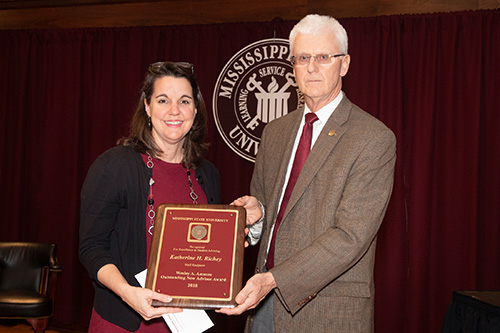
x,y
68,95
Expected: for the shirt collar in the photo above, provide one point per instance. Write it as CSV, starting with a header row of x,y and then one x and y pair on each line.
x,y
326,111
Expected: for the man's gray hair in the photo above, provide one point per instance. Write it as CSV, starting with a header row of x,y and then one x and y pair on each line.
x,y
314,24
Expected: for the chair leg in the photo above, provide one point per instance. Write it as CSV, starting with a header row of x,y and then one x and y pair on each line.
x,y
39,324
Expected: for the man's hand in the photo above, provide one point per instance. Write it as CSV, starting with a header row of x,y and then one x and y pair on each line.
x,y
252,206
256,289
254,214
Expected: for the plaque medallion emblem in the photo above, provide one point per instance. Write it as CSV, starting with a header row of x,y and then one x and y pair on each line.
x,y
255,87
199,232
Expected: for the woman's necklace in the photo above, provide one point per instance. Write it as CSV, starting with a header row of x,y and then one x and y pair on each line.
x,y
151,202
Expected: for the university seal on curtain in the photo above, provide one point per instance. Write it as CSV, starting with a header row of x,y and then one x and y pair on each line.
x,y
255,87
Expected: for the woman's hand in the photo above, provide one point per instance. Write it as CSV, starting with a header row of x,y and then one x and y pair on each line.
x,y
139,299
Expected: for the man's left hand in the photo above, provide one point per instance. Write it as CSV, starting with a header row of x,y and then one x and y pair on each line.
x,y
256,289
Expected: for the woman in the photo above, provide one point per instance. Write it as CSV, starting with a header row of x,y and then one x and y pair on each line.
x,y
161,161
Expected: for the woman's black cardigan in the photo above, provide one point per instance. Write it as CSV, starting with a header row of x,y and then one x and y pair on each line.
x,y
112,223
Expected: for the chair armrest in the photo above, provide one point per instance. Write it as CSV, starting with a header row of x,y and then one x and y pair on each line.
x,y
56,268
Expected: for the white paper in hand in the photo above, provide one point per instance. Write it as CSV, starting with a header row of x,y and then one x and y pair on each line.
x,y
187,321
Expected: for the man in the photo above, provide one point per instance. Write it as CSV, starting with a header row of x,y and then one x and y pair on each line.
x,y
320,278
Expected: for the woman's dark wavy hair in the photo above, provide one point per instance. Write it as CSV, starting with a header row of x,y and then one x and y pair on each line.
x,y
195,148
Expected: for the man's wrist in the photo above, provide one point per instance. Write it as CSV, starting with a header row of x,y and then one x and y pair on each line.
x,y
255,230
263,210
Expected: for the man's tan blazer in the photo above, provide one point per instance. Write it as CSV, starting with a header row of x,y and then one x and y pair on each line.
x,y
325,247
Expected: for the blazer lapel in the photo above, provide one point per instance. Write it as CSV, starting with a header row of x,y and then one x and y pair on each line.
x,y
326,142
282,164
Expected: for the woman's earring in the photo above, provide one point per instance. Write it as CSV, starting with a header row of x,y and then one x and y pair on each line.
x,y
150,124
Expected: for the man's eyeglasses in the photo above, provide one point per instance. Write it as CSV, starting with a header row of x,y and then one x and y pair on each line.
x,y
321,59
185,65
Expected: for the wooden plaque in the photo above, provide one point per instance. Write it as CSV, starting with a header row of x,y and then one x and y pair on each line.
x,y
196,255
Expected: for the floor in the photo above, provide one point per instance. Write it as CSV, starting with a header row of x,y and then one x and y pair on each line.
x,y
20,326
